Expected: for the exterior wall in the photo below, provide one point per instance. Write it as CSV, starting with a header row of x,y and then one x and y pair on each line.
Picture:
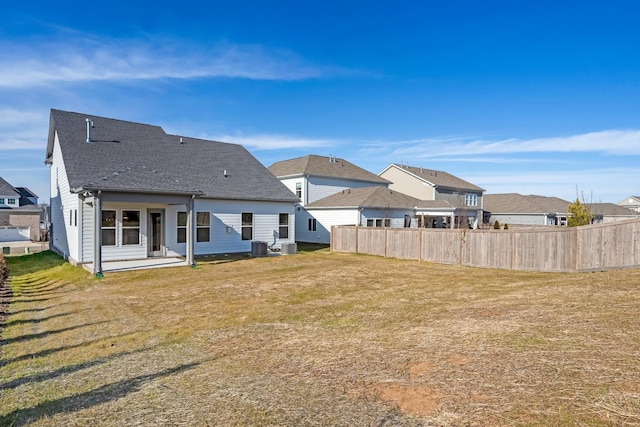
x,y
5,200
226,226
395,215
408,184
523,219
63,204
325,219
27,219
290,183
631,203
319,188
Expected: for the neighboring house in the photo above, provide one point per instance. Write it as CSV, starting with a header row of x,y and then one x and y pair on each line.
x,y
123,190
517,209
27,197
429,184
18,221
610,212
631,202
367,207
313,177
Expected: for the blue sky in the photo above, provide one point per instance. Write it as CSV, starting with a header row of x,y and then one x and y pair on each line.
x,y
535,97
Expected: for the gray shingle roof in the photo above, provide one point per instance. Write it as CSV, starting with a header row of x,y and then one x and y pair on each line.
x,y
7,189
440,178
374,197
136,157
322,166
609,209
517,203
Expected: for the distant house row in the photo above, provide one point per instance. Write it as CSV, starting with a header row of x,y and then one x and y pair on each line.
x,y
20,216
123,190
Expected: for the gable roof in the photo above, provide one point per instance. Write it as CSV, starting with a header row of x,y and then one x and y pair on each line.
x,y
322,166
375,197
7,189
517,203
136,157
436,177
25,192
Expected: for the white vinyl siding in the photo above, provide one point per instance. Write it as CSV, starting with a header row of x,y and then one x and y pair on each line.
x,y
325,219
226,226
63,202
319,188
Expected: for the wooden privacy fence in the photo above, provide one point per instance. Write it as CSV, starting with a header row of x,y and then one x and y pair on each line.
x,y
588,248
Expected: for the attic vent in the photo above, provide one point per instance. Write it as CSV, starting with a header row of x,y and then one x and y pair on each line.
x,y
89,126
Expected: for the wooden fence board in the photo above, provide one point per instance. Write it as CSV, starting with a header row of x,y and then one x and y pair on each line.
x,y
589,248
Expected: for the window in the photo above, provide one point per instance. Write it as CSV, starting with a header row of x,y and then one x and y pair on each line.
x,y
1,200
11,201
283,229
247,226
299,190
75,217
203,226
312,224
471,199
130,227
70,216
108,228
379,222
182,227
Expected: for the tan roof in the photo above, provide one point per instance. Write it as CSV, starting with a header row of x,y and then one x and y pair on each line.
x,y
329,167
517,203
440,178
368,197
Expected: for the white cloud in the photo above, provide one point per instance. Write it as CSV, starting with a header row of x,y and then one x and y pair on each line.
x,y
620,142
274,142
38,63
23,130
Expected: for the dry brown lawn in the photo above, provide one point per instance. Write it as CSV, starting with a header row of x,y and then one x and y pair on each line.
x,y
319,339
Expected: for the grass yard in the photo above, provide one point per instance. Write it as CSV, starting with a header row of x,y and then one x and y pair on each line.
x,y
319,339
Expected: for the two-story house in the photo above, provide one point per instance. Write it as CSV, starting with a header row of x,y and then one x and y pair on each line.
x,y
434,185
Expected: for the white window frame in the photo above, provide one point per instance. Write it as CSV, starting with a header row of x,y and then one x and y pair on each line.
x,y
246,226
312,224
130,227
203,225
471,199
282,226
113,227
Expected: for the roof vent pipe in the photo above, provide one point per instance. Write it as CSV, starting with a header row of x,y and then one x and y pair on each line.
x,y
89,126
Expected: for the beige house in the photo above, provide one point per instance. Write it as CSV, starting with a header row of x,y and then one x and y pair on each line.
x,y
430,184
631,202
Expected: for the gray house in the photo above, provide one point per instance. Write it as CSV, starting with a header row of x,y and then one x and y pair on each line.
x,y
430,184
518,209
127,191
371,207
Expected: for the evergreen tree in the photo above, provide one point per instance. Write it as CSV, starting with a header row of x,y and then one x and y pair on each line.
x,y
579,214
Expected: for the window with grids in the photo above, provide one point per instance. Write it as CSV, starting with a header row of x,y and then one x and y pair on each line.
x,y
203,226
283,228
130,227
312,224
471,199
182,227
247,226
108,228
299,190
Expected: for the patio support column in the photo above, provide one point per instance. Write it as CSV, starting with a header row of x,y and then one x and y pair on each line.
x,y
97,234
190,231
453,220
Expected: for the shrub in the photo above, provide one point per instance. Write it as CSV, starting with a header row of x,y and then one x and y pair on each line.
x,y
496,225
506,226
